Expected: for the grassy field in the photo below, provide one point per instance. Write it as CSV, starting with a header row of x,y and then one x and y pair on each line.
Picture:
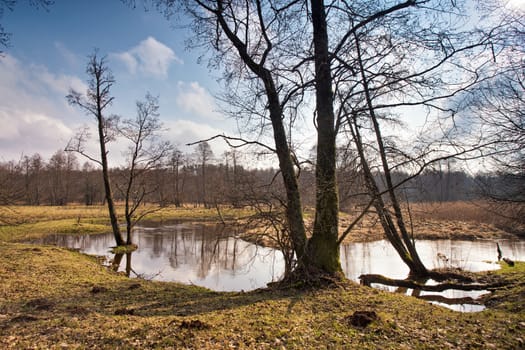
x,y
22,223
453,220
82,305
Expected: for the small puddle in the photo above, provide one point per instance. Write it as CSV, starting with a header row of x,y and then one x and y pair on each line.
x,y
211,256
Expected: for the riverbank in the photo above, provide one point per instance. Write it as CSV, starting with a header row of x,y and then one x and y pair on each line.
x,y
466,221
24,223
84,305
454,220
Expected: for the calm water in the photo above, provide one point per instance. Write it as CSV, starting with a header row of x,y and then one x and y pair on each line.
x,y
211,256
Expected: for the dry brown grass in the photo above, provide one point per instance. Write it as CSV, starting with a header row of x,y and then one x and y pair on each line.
x,y
446,220
450,220
505,217
474,211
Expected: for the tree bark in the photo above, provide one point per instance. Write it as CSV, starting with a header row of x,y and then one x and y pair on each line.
x,y
107,184
98,71
294,213
323,247
399,236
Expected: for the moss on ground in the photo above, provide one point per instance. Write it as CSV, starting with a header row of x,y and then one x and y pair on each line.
x,y
56,298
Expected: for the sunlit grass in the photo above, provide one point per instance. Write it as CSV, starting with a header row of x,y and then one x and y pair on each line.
x,y
22,223
83,305
28,231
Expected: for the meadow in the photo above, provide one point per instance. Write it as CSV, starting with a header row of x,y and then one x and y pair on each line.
x,y
85,305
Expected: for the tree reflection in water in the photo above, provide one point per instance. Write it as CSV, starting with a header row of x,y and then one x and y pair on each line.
x,y
209,255
115,264
204,254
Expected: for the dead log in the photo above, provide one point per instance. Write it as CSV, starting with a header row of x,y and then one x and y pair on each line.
x,y
367,280
509,262
449,301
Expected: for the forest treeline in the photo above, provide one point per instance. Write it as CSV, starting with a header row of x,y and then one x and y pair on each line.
x,y
206,180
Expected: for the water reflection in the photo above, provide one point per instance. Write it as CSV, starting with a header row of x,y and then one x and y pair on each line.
x,y
211,256
379,257
204,255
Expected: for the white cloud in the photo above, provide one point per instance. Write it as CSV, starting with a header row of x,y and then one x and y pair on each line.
x,y
70,57
149,57
33,111
517,4
21,85
182,132
195,99
60,83
28,132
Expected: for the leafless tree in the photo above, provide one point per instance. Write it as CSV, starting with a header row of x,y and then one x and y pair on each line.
x,y
146,153
175,163
204,153
352,59
95,103
494,112
91,187
251,45
32,168
60,167
378,72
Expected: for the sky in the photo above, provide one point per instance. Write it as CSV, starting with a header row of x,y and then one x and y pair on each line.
x,y
47,57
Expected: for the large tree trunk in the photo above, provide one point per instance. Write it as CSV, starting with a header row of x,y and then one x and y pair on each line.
x,y
294,213
323,249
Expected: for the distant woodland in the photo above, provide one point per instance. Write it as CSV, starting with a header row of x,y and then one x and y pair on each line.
x,y
208,181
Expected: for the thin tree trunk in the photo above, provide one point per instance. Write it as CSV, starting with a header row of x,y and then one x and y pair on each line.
x,y
417,268
294,213
107,184
384,217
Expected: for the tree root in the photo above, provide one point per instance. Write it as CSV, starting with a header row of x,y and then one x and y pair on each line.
x,y
308,278
367,280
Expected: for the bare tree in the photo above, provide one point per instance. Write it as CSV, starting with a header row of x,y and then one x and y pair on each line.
x,y
10,191
177,176
353,58
95,103
377,75
32,168
495,111
146,153
204,153
90,185
256,44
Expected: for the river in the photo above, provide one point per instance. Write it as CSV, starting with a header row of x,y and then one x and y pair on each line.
x,y
211,256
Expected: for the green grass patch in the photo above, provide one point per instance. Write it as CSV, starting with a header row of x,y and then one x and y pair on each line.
x,y
28,231
23,223
123,249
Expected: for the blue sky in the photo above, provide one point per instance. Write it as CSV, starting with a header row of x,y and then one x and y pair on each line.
x,y
47,56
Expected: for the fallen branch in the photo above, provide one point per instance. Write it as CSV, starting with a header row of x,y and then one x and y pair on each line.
x,y
367,280
449,301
